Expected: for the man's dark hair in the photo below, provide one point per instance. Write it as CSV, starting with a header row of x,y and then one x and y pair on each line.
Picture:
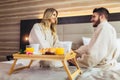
x,y
102,10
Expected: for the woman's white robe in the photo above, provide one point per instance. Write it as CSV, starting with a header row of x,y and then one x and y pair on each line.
x,y
45,39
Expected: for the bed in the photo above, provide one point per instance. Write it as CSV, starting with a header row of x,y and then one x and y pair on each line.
x,y
34,73
65,32
37,73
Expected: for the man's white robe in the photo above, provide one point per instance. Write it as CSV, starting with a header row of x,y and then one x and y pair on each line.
x,y
102,50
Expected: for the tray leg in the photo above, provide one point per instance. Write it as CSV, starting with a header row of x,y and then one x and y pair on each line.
x,y
23,67
78,71
67,69
12,67
30,63
74,74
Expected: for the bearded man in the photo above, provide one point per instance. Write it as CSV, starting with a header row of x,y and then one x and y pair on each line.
x,y
102,49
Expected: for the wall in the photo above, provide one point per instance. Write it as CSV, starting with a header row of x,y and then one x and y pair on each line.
x,y
13,11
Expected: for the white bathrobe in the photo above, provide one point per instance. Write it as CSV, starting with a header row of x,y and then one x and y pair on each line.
x,y
45,38
102,49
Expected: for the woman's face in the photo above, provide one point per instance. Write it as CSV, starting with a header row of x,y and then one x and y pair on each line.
x,y
53,17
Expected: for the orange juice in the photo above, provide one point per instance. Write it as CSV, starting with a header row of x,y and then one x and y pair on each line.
x,y
60,51
30,49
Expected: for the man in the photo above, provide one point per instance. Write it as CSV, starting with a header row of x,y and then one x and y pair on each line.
x,y
102,49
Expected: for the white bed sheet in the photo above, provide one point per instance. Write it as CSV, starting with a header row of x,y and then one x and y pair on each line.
x,y
37,73
33,73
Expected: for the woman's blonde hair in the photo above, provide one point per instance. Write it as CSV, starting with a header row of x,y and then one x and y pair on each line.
x,y
46,20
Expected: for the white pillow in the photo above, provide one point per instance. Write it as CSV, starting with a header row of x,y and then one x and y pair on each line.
x,y
86,40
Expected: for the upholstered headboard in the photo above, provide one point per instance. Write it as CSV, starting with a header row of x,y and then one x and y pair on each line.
x,y
68,29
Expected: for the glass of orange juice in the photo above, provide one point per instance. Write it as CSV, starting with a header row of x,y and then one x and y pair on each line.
x,y
59,51
29,49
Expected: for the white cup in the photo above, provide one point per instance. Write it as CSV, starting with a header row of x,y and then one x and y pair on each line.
x,y
36,48
67,46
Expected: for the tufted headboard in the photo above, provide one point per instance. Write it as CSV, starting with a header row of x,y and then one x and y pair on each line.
x,y
68,29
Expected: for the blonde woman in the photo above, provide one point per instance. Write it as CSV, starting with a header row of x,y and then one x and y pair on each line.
x,y
44,33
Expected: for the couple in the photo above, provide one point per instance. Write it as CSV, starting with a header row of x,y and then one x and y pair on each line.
x,y
102,49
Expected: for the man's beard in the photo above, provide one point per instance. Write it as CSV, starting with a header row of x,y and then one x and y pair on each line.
x,y
97,23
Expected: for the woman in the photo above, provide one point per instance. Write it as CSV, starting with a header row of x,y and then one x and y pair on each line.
x,y
44,33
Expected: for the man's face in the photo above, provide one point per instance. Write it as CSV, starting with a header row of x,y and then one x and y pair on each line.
x,y
95,19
